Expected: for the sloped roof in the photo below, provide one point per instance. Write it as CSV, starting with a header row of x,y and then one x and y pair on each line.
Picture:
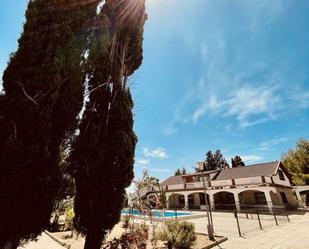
x,y
208,172
179,178
262,169
173,180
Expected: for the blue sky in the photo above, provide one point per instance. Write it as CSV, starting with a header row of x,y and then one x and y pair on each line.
x,y
219,74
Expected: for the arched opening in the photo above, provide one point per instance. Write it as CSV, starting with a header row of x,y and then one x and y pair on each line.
x,y
305,197
176,201
252,198
197,200
224,200
278,199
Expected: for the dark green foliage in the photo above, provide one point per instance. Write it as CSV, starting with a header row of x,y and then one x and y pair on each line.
x,y
220,161
64,196
237,162
297,162
102,155
215,161
182,171
177,172
43,93
209,163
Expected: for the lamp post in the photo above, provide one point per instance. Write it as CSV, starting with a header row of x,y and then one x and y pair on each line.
x,y
210,229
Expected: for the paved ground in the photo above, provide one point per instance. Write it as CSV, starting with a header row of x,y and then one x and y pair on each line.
x,y
287,235
293,235
43,242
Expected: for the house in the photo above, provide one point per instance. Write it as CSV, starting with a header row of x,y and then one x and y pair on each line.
x,y
265,185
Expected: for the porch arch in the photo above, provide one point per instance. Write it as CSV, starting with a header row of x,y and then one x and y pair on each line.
x,y
176,201
301,194
305,197
224,200
197,199
250,198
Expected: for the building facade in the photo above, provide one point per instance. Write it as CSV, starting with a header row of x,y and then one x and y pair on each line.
x,y
265,185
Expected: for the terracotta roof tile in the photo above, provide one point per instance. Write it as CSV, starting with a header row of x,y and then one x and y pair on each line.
x,y
172,180
262,169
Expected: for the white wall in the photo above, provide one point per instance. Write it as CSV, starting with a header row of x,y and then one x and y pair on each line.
x,y
248,180
277,180
268,179
176,186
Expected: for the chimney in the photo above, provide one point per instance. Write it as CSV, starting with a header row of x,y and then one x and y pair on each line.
x,y
200,166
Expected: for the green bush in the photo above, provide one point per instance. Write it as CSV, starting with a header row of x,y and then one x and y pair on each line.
x,y
69,216
179,235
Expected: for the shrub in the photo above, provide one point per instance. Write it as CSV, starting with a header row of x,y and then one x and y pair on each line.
x,y
69,216
60,209
136,237
179,235
126,221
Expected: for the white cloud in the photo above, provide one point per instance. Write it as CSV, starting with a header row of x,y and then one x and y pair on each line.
x,y
250,105
266,145
302,98
142,161
232,85
246,123
170,130
161,170
251,158
156,153
249,101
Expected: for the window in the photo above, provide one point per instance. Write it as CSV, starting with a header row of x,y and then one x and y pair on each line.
x,y
281,175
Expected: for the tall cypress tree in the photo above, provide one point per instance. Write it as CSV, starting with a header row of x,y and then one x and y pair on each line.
x,y
103,154
43,93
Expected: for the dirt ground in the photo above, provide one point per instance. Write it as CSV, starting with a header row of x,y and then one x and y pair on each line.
x,y
77,242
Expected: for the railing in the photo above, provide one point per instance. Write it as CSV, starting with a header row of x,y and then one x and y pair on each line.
x,y
192,185
221,183
176,206
176,187
249,180
194,206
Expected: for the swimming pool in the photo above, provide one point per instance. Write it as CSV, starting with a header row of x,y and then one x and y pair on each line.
x,y
157,213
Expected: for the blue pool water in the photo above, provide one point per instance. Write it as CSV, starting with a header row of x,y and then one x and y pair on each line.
x,y
155,213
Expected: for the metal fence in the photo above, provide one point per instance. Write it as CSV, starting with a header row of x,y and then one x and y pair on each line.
x,y
251,218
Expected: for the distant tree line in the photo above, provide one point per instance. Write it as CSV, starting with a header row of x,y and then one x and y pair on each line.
x,y
179,171
237,162
295,160
214,161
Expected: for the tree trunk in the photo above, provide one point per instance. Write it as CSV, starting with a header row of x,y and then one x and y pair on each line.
x,y
169,245
11,244
93,239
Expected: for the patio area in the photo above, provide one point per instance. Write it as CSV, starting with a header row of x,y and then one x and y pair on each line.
x,y
287,235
